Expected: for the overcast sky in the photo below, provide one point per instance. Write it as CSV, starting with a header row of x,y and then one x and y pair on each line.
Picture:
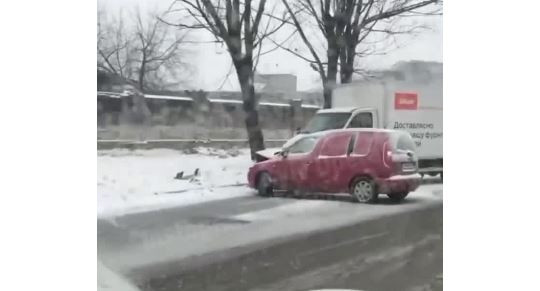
x,y
212,62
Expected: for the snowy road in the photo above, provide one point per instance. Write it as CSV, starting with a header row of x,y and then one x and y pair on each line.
x,y
170,241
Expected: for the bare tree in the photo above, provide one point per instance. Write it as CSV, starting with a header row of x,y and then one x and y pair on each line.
x,y
346,26
113,45
149,51
159,51
237,25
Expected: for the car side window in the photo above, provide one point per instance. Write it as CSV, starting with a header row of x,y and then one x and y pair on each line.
x,y
363,143
303,146
336,145
362,120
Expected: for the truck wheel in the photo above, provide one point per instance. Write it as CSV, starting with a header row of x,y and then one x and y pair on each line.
x,y
398,197
364,190
265,186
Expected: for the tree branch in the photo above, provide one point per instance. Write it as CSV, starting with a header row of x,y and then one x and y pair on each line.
x,y
306,42
279,45
258,17
217,21
397,11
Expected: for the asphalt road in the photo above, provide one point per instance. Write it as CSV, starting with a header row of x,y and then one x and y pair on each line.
x,y
292,243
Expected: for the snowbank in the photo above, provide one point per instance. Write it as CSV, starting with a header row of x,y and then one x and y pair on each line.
x,y
108,280
143,180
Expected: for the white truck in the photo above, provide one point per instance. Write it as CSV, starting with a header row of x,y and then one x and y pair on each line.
x,y
415,106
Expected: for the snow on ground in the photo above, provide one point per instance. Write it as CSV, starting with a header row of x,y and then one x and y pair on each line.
x,y
299,208
296,207
108,280
135,181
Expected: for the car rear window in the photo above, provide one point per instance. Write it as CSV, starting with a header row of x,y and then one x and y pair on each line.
x,y
405,143
336,145
363,143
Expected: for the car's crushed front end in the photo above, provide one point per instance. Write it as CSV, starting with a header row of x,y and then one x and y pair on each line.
x,y
258,168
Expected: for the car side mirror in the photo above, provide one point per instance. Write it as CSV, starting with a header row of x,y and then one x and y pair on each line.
x,y
284,153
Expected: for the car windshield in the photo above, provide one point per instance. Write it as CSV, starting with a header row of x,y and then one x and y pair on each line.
x,y
325,121
305,145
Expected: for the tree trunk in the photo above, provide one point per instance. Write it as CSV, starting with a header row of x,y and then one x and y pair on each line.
x,y
347,64
330,82
142,71
346,73
327,94
245,77
328,87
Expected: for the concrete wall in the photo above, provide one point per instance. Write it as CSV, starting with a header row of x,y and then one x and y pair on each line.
x,y
140,118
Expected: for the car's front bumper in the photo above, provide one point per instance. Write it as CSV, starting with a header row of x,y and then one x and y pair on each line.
x,y
251,178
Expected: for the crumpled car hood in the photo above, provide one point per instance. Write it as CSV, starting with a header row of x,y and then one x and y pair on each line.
x,y
270,152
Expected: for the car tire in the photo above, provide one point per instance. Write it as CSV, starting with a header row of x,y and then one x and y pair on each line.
x,y
265,186
364,190
398,197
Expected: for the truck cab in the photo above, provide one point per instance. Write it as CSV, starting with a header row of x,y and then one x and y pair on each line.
x,y
337,118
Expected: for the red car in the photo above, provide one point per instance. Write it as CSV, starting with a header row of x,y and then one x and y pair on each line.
x,y
363,162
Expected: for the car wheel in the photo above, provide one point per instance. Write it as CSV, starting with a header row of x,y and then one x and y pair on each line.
x,y
364,190
265,186
398,197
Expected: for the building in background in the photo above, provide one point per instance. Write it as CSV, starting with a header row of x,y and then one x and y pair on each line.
x,y
422,71
280,85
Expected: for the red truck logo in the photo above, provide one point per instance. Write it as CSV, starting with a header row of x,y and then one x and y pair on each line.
x,y
405,101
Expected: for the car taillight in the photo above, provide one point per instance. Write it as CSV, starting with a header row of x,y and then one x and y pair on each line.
x,y
387,156
399,161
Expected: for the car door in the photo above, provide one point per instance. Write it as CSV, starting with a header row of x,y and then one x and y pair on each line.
x,y
331,161
280,172
298,161
360,161
298,165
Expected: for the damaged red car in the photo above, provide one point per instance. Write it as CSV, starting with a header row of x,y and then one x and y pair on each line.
x,y
362,162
